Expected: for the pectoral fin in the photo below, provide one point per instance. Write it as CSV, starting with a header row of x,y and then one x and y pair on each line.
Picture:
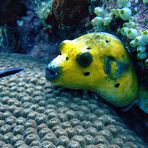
x,y
113,68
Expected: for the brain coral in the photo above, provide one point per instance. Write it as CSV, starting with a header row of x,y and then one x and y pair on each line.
x,y
35,114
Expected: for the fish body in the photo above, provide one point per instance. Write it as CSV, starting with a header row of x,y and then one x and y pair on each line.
x,y
97,62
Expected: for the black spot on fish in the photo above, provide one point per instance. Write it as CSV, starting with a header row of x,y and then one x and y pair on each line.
x,y
107,41
86,73
88,48
117,85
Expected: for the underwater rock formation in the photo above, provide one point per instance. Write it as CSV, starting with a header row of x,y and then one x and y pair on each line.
x,y
9,40
10,11
34,113
69,12
31,32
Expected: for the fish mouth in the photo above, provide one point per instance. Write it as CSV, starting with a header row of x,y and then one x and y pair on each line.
x,y
52,73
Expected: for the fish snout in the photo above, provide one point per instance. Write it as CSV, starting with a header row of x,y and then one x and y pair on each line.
x,y
52,72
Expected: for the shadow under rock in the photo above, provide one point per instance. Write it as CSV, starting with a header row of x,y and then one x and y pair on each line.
x,y
136,120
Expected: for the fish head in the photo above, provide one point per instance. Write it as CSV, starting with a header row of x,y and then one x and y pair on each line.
x,y
97,62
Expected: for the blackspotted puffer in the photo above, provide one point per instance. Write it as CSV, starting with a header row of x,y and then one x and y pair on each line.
x,y
97,62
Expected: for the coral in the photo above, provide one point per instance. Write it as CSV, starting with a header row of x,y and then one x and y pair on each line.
x,y
145,1
43,9
44,12
39,32
60,19
70,12
36,25
41,51
141,41
31,32
8,39
29,4
126,22
10,11
34,113
128,27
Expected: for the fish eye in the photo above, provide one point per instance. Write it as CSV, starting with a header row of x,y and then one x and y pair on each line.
x,y
67,58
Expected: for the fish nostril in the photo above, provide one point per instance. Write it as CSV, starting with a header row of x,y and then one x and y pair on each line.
x,y
52,73
47,69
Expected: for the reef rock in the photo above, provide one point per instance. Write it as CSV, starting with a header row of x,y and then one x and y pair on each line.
x,y
10,11
70,12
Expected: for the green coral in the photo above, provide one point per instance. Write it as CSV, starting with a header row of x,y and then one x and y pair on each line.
x,y
141,41
127,26
43,9
8,39
145,1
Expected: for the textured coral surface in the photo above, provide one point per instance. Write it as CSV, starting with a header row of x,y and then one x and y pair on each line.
x,y
35,114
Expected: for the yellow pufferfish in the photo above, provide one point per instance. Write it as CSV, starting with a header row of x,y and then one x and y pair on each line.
x,y
97,62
